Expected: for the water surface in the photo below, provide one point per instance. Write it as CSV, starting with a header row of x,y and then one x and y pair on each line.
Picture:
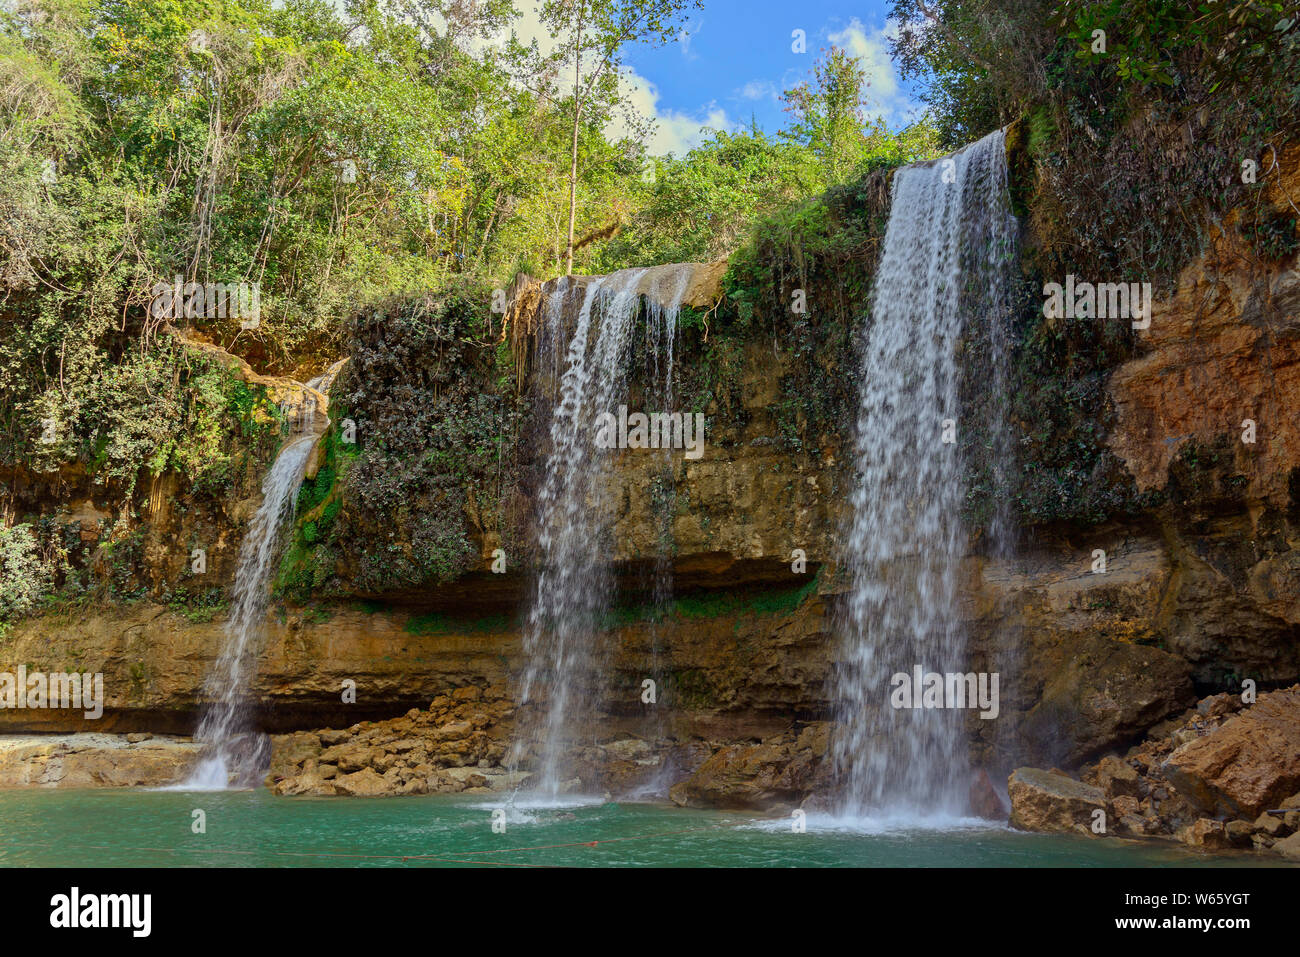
x,y
136,828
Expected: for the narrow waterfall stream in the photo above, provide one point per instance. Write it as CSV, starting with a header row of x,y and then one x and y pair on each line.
x,y
943,270
564,673
668,288
233,754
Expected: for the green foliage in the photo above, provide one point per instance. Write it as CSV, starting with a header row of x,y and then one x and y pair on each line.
x,y
772,601
199,607
25,574
442,624
217,141
436,423
828,114
701,207
590,37
1275,236
800,288
1158,42
1137,148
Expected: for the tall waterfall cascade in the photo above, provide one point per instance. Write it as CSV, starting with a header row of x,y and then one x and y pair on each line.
x,y
943,276
233,754
574,584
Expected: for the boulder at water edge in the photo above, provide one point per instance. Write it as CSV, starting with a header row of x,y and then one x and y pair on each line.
x,y
1050,802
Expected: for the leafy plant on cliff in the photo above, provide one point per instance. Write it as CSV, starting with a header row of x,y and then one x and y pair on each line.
x,y
434,455
25,574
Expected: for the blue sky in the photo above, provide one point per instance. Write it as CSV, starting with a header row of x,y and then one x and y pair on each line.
x,y
735,58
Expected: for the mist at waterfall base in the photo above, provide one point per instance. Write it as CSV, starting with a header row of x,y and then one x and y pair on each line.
x,y
233,753
573,586
943,267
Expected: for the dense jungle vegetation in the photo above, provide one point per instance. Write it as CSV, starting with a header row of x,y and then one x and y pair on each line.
x,y
346,158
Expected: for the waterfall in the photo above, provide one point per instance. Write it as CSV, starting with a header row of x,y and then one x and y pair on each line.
x,y
943,271
667,287
573,586
232,753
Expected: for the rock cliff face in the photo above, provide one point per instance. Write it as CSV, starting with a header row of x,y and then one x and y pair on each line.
x,y
1200,590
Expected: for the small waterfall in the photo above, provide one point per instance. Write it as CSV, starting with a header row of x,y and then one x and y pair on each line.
x,y
944,263
668,286
574,584
233,754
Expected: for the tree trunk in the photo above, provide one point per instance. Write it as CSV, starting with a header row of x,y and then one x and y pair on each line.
x,y
573,160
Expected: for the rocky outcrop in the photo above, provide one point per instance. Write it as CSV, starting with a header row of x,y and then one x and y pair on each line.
x,y
297,401
1289,847
776,774
1223,349
1092,659
1248,765
455,745
1221,775
1050,802
154,661
94,760
1103,694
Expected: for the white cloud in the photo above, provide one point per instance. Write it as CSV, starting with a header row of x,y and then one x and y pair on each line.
x,y
674,131
759,90
885,96
690,29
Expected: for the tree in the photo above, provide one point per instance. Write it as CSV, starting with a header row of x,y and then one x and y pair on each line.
x,y
828,113
592,36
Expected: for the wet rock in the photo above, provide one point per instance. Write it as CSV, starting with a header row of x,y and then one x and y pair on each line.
x,y
1239,832
767,776
93,760
1205,833
628,749
363,783
1105,694
984,800
1271,824
1289,847
1047,802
